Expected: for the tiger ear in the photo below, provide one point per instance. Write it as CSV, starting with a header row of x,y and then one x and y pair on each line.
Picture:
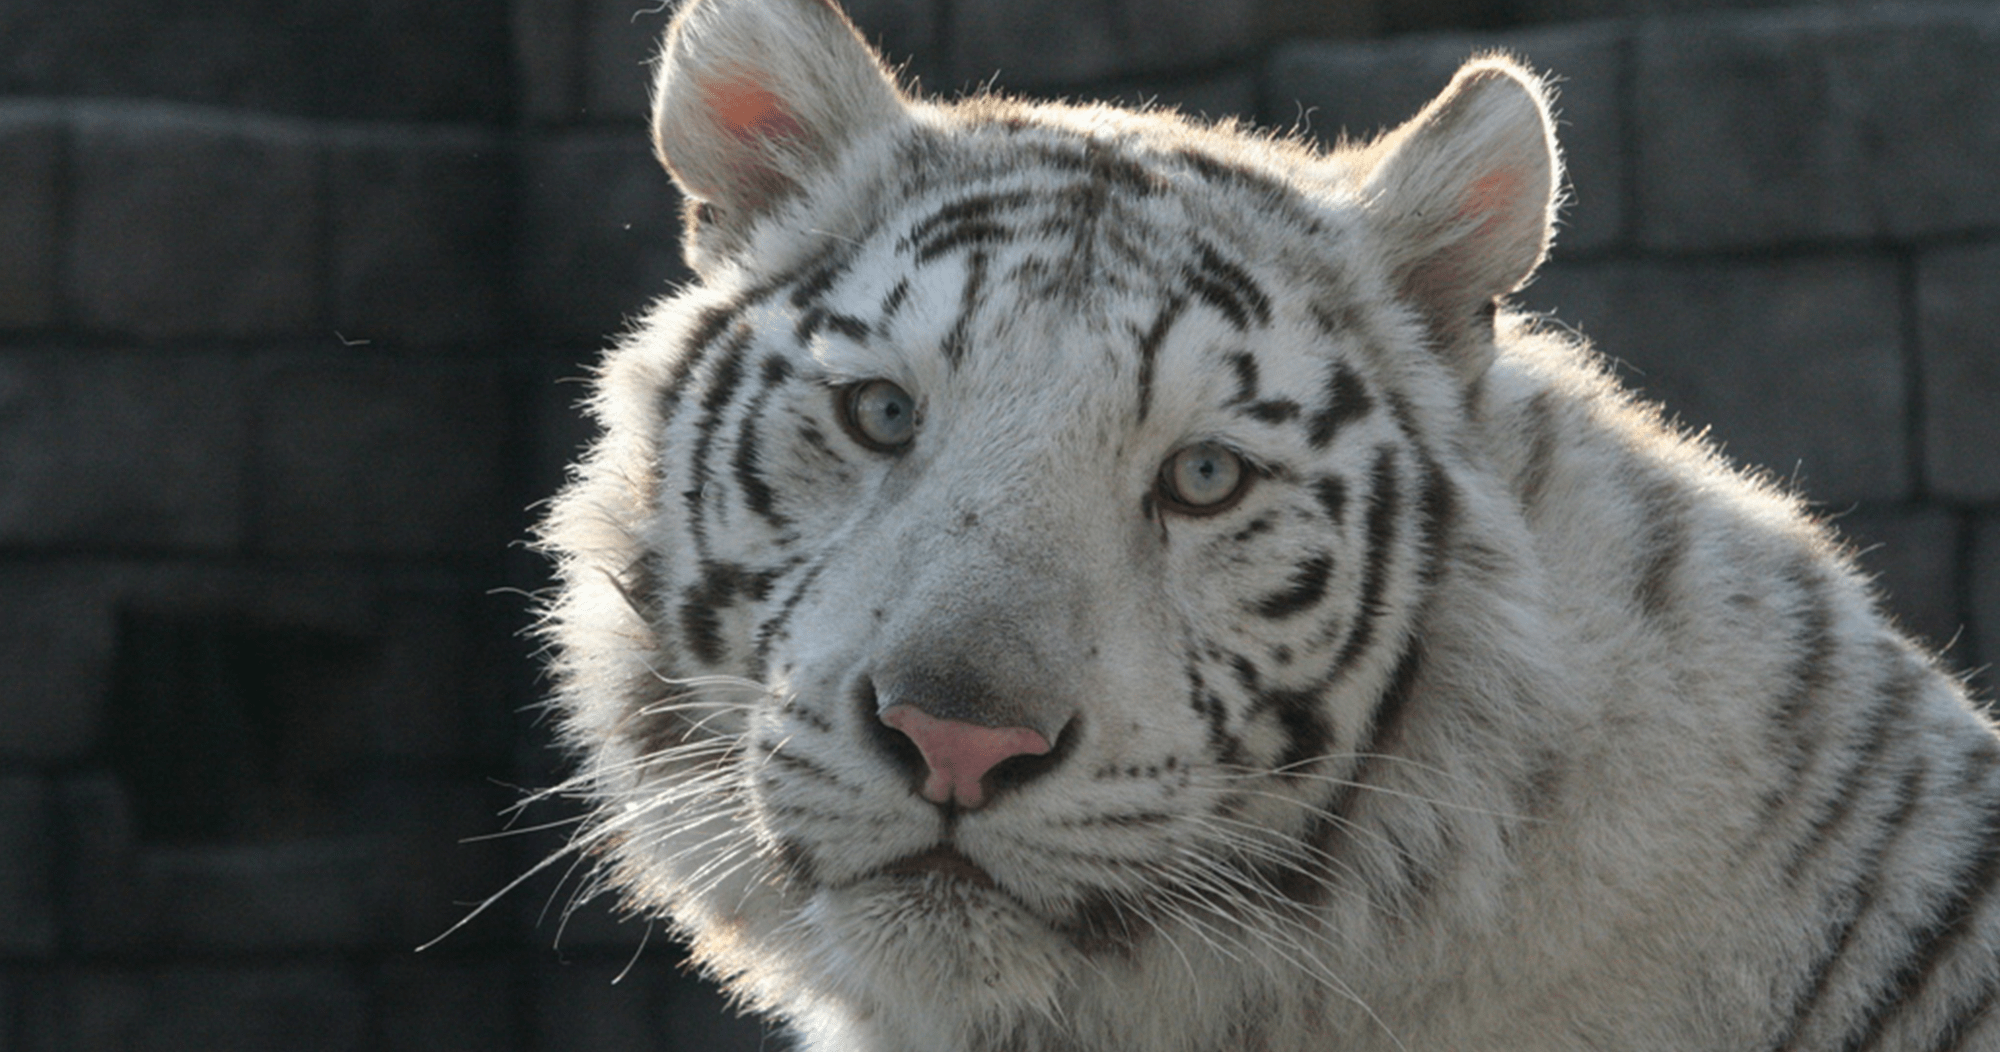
x,y
752,97
1465,195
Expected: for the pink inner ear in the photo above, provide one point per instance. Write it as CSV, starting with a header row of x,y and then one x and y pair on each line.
x,y
748,112
1492,196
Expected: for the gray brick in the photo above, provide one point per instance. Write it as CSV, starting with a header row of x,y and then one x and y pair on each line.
x,y
1360,89
1319,20
1913,552
1985,583
121,450
1027,44
27,870
378,59
547,47
419,236
428,868
253,1008
304,894
600,233
651,1009
107,909
620,38
438,666
374,454
30,159
1817,124
1797,365
1185,34
1958,315
429,1005
905,33
56,643
189,223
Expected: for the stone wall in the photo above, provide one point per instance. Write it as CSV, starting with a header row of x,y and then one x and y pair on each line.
x,y
286,304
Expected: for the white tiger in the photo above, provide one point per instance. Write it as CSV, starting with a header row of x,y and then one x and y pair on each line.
x,y
1070,579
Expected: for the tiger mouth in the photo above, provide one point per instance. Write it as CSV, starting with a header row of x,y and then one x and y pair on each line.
x,y
943,862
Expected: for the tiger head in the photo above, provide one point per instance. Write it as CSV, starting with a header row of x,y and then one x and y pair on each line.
x,y
1010,562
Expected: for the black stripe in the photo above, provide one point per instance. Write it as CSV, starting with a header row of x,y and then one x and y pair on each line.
x,y
1384,506
1303,589
1540,423
1941,937
820,272
1307,882
1308,733
1149,350
958,340
968,220
1819,980
757,494
964,236
1347,400
1102,164
773,627
701,609
1225,173
1886,719
893,302
1437,513
1663,546
1227,287
1245,367
709,326
1331,492
1810,674
1970,1015
1274,410
1227,748
722,385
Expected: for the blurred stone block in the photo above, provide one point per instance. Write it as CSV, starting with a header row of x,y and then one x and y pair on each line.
x,y
27,870
1985,584
651,1007
119,449
30,158
599,236
1817,124
370,454
1958,338
56,641
215,1008
546,42
195,223
419,236
1021,45
433,1005
370,59
620,38
1797,365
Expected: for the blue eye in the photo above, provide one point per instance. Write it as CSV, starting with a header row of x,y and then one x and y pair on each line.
x,y
1202,479
879,414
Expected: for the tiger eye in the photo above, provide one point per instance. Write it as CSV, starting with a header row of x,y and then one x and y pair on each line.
x,y
879,414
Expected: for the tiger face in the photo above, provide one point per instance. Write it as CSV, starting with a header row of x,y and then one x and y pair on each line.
x,y
1008,556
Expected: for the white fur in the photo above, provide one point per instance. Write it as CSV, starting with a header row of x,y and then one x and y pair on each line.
x,y
1598,818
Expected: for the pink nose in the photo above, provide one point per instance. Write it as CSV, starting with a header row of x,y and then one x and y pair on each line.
x,y
959,754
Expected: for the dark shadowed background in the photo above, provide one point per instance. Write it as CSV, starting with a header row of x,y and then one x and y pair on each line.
x,y
289,290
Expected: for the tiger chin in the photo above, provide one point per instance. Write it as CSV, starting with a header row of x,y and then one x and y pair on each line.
x,y
1065,578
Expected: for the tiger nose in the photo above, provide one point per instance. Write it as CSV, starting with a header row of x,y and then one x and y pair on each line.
x,y
959,755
